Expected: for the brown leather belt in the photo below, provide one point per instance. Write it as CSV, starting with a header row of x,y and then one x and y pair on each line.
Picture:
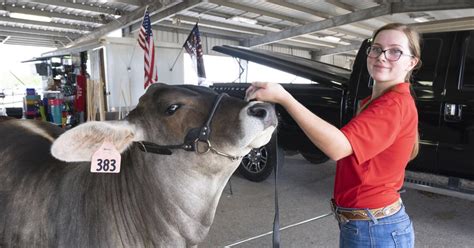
x,y
345,215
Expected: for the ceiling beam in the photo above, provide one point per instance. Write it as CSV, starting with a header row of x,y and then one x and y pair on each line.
x,y
26,43
351,8
53,14
80,6
119,23
278,16
130,2
318,14
363,14
341,5
185,28
287,5
160,15
346,31
245,30
250,31
433,5
86,46
45,24
5,40
315,13
320,25
34,36
39,32
202,13
36,44
32,40
224,30
245,8
300,8
220,25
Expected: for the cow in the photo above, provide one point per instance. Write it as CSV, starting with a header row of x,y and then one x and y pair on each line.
x,y
178,149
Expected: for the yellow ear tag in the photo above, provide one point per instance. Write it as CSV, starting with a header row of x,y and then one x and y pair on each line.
x,y
106,160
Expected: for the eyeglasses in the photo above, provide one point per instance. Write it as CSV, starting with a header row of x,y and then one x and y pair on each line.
x,y
391,54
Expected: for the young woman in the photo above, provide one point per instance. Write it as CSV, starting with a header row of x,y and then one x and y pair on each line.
x,y
373,149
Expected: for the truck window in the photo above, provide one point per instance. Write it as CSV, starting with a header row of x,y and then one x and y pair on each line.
x,y
430,52
467,73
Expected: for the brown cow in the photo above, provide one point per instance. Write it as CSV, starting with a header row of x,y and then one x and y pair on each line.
x,y
51,199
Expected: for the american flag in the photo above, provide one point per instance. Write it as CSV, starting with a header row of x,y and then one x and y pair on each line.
x,y
145,40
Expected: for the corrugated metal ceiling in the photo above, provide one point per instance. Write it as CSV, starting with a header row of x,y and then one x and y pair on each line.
x,y
294,22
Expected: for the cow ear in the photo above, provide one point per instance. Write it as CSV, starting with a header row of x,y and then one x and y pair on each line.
x,y
81,142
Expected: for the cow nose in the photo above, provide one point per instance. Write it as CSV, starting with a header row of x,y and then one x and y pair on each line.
x,y
263,111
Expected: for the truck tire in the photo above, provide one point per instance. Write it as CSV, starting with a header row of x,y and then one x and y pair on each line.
x,y
313,158
258,164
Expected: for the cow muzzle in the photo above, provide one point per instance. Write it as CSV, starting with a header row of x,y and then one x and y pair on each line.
x,y
265,112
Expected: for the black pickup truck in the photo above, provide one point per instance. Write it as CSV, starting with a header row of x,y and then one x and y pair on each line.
x,y
444,87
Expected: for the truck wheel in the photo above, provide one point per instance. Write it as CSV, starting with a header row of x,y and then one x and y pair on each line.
x,y
255,166
317,158
258,164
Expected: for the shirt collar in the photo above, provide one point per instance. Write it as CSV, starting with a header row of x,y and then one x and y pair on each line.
x,y
402,88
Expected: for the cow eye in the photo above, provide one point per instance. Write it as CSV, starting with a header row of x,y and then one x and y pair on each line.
x,y
172,109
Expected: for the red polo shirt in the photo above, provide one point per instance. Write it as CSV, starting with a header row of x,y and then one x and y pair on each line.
x,y
382,137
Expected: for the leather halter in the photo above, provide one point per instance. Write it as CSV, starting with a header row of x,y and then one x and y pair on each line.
x,y
196,140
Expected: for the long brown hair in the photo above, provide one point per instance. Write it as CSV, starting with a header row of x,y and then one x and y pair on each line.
x,y
415,49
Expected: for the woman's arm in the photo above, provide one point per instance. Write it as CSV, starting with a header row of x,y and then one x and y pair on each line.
x,y
328,138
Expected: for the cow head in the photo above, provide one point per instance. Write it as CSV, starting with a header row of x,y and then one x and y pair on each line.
x,y
156,200
170,115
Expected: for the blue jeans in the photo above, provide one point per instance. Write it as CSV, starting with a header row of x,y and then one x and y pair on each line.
x,y
392,231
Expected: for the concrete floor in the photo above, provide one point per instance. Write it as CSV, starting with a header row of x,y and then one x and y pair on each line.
x,y
304,191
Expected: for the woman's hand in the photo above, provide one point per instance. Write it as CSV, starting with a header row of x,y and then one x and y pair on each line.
x,y
324,135
267,92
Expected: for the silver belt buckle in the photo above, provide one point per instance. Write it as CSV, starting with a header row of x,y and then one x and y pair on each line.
x,y
387,211
390,210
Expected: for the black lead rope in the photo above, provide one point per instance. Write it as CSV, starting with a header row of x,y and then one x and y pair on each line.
x,y
206,128
276,219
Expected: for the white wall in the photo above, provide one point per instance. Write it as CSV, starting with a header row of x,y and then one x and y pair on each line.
x,y
123,53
